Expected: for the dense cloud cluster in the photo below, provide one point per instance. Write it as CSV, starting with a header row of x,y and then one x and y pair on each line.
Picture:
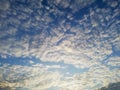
x,y
81,33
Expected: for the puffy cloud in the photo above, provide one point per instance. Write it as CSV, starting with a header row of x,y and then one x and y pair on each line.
x,y
38,77
78,45
88,42
89,80
4,5
113,61
34,78
112,3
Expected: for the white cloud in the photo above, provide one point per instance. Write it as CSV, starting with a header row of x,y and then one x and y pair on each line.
x,y
31,62
76,49
54,66
86,46
113,61
34,78
88,80
114,4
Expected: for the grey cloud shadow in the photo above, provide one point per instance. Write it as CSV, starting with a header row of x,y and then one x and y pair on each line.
x,y
112,86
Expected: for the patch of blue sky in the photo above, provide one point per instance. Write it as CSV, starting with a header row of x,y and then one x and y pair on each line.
x,y
81,13
67,68
116,52
15,61
69,32
100,4
64,68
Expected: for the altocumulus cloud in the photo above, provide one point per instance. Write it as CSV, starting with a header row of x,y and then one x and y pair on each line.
x,y
56,32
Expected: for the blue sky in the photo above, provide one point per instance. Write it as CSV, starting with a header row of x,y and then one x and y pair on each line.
x,y
59,44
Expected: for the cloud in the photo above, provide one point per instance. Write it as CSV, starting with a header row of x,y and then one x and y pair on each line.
x,y
89,80
39,77
113,61
82,46
5,88
28,77
112,3
114,86
4,5
43,32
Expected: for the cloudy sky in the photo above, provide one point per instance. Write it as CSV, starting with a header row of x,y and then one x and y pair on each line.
x,y
59,44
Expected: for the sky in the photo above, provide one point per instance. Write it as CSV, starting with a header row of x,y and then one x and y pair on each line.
x,y
59,44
